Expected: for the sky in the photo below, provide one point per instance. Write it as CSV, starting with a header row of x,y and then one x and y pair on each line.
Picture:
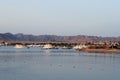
x,y
60,17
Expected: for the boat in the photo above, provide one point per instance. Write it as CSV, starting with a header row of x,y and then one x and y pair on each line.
x,y
77,47
18,46
65,47
48,46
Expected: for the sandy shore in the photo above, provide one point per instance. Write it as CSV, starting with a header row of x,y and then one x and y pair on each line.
x,y
102,50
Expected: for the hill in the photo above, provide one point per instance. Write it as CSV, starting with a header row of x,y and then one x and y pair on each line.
x,y
44,38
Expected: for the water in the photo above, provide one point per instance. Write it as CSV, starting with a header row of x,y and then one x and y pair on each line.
x,y
61,64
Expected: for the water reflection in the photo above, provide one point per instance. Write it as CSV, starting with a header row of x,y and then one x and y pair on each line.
x,y
42,55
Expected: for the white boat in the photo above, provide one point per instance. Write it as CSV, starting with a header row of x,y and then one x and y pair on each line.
x,y
79,47
48,46
18,46
65,47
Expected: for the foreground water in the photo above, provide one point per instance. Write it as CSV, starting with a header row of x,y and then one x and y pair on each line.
x,y
59,64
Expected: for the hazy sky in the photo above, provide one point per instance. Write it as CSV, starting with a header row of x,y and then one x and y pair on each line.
x,y
60,17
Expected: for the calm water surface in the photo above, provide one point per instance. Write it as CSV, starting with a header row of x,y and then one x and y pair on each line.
x,y
60,64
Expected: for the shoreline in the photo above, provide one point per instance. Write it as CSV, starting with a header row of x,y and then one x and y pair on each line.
x,y
101,50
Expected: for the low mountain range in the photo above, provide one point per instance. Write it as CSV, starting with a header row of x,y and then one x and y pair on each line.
x,y
45,38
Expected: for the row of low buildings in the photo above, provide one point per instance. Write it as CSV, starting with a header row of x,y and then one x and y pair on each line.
x,y
2,43
105,45
91,45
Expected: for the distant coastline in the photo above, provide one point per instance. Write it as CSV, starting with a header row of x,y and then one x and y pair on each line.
x,y
79,42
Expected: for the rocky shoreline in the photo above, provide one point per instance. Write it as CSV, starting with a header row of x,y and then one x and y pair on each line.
x,y
101,50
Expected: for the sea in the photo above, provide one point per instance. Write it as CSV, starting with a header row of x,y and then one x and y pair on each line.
x,y
57,64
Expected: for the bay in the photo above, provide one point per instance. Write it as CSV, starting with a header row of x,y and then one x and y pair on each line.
x,y
57,64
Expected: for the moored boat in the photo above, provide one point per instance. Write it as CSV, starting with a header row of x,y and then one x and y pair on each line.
x,y
77,47
48,46
18,46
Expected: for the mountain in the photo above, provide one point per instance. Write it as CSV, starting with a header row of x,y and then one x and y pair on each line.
x,y
44,38
7,37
